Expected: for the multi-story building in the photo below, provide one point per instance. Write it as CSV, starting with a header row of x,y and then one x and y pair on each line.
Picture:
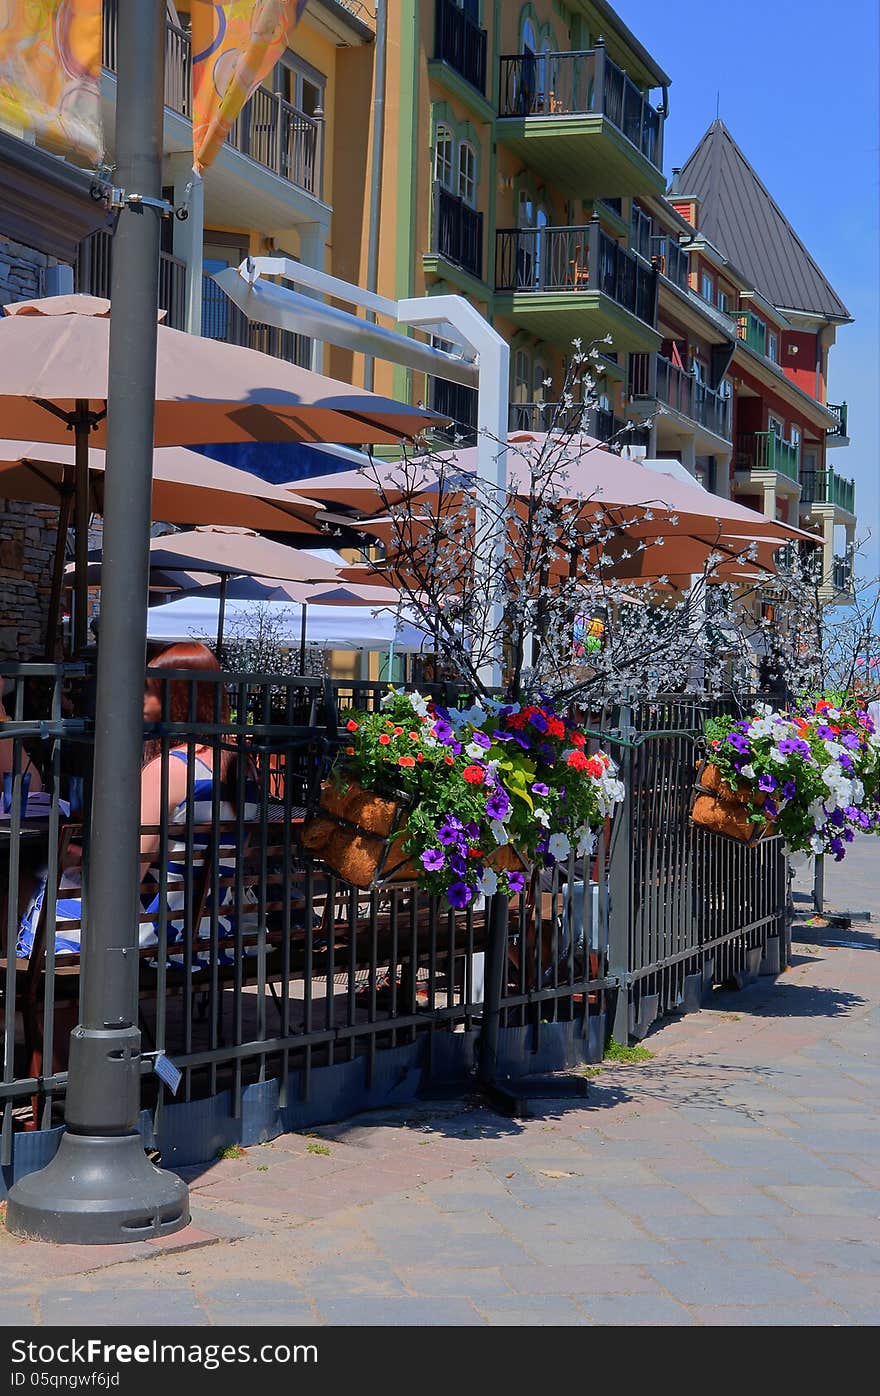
x,y
270,189
747,262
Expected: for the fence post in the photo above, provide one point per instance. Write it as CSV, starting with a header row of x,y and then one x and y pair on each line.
x,y
819,884
496,960
620,906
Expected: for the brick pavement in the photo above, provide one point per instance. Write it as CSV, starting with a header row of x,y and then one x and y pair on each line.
x,y
733,1179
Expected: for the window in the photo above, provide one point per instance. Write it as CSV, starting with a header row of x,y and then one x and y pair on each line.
x,y
522,376
776,426
773,346
708,288
539,373
795,439
301,86
444,147
467,173
723,302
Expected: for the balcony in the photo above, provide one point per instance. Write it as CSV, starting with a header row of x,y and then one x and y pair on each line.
x,y
460,42
459,403
652,378
838,434
752,331
827,487
572,282
269,131
457,232
671,260
577,119
764,450
598,422
94,270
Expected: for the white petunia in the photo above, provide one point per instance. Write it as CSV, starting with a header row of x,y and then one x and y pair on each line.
x,y
499,833
559,846
542,817
748,772
489,882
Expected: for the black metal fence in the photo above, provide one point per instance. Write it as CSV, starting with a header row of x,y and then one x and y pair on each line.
x,y
287,997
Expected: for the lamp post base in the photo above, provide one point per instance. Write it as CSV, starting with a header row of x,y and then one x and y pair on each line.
x,y
99,1190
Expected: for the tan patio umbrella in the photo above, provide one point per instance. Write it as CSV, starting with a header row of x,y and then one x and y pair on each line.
x,y
53,381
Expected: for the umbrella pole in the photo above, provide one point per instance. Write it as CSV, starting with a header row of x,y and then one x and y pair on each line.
x,y
221,612
82,426
302,640
65,511
100,1187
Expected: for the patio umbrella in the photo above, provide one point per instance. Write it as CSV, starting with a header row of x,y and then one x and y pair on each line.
x,y
54,355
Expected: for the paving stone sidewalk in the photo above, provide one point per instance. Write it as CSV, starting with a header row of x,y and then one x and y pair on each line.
x,y
732,1179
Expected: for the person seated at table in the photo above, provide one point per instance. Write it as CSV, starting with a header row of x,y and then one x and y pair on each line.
x,y
188,768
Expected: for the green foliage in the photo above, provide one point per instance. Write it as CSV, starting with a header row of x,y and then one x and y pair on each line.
x,y
616,1052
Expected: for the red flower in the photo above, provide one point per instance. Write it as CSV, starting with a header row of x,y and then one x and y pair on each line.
x,y
576,760
406,761
475,852
420,757
349,751
516,721
449,761
384,739
398,731
388,722
351,725
474,775
594,767
555,727
414,736
578,739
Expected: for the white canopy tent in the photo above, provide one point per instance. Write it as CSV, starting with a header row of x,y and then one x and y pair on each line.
x,y
337,627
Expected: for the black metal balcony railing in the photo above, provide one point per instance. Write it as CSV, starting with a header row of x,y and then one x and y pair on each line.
x,y
653,378
460,42
579,83
842,574
457,231
764,450
222,319
94,270
574,259
598,422
839,410
671,260
827,487
270,131
459,403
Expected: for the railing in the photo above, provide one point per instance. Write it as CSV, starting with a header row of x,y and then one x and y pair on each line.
x,y
94,271
671,260
574,259
842,574
222,319
751,330
827,487
764,450
578,83
289,998
460,42
598,422
641,236
269,130
282,138
178,59
839,410
653,377
457,231
459,404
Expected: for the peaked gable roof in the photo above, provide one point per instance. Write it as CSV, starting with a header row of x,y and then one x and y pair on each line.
x,y
740,216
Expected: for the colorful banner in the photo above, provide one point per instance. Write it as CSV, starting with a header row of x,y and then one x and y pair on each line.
x,y
50,73
234,46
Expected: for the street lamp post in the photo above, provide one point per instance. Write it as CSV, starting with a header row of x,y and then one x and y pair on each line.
x,y
100,1187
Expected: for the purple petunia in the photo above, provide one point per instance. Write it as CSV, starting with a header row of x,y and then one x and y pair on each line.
x,y
458,863
825,732
472,830
481,739
500,736
539,788
846,763
767,782
771,808
459,894
738,742
837,848
515,881
443,732
433,859
851,741
789,790
497,805
793,746
449,831
538,721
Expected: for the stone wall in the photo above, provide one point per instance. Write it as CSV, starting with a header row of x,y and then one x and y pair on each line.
x,y
27,531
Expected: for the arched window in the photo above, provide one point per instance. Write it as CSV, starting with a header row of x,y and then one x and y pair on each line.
x,y
543,270
539,373
529,37
467,173
522,376
444,156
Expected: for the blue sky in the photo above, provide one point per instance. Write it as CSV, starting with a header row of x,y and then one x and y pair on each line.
x,y
799,93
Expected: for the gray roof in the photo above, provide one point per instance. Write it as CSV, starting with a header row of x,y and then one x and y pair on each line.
x,y
740,216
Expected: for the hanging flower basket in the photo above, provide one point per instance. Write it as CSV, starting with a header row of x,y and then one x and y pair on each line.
x,y
725,810
359,835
